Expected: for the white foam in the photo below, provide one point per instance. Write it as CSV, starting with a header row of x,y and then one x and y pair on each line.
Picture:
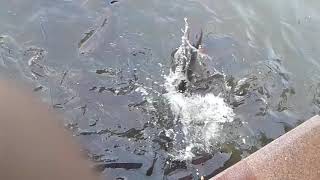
x,y
142,90
201,116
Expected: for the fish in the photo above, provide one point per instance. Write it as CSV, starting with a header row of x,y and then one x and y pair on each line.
x,y
127,166
186,61
98,35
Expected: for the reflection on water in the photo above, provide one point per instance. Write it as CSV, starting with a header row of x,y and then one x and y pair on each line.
x,y
102,64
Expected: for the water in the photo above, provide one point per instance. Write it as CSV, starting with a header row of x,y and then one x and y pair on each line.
x,y
198,116
104,66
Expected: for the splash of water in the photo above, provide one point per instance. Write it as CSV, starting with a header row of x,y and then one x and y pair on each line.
x,y
199,117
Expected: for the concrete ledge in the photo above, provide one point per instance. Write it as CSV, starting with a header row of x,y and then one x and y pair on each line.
x,y
295,155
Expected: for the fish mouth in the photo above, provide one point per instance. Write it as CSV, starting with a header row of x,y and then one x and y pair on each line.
x,y
182,86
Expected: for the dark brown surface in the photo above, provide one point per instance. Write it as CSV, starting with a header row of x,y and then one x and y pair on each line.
x,y
295,155
240,171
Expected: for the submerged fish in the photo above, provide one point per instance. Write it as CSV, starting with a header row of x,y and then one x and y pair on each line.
x,y
98,35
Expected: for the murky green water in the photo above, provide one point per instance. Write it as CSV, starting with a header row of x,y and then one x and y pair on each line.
x,y
88,58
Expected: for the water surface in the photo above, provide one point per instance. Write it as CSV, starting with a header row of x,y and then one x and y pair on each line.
x,y
103,65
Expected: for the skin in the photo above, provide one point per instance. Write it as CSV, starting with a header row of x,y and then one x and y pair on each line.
x,y
34,145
